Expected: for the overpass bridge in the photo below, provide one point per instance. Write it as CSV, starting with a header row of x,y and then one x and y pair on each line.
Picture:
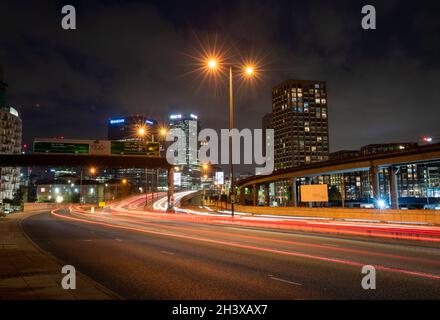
x,y
87,160
371,163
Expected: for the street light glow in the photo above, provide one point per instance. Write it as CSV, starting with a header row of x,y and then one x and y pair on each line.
x,y
212,64
249,70
142,131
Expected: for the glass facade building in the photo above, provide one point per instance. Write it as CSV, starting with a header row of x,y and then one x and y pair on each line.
x,y
188,173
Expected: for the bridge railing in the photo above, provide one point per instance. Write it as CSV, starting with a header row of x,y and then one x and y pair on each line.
x,y
431,217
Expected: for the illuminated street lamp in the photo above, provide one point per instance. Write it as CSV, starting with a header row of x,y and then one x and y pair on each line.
x,y
92,170
163,132
248,71
142,131
212,64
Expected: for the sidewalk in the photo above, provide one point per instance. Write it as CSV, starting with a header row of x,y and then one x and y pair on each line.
x,y
28,273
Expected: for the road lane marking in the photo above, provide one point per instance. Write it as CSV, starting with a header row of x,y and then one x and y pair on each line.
x,y
118,240
168,252
285,281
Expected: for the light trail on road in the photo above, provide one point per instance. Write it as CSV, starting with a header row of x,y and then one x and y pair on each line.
x,y
137,226
378,230
210,255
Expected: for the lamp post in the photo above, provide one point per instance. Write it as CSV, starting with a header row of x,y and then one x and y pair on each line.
x,y
142,134
205,168
248,72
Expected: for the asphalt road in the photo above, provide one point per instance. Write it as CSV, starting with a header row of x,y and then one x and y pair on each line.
x,y
150,258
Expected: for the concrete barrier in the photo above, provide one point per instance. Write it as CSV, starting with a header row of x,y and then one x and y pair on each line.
x,y
411,216
32,206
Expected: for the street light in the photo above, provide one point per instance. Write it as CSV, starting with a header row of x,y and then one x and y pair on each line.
x,y
163,132
142,131
212,64
249,72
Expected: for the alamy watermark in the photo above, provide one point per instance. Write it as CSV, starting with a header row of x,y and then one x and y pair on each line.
x,y
69,280
369,280
68,21
215,150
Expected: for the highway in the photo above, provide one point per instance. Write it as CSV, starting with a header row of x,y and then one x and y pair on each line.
x,y
154,255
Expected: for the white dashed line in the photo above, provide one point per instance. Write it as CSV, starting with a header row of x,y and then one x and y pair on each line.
x,y
285,281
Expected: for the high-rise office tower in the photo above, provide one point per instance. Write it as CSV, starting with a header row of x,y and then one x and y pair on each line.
x,y
10,143
188,172
300,122
127,129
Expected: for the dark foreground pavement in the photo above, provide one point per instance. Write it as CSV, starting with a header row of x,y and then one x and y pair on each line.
x,y
28,273
181,260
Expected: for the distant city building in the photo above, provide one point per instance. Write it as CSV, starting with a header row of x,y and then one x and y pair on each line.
x,y
414,181
126,128
387,147
344,154
10,143
300,122
188,174
71,189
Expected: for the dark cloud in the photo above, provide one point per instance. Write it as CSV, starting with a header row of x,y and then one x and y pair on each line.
x,y
132,57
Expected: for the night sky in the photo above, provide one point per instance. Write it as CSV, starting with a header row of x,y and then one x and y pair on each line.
x,y
129,57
